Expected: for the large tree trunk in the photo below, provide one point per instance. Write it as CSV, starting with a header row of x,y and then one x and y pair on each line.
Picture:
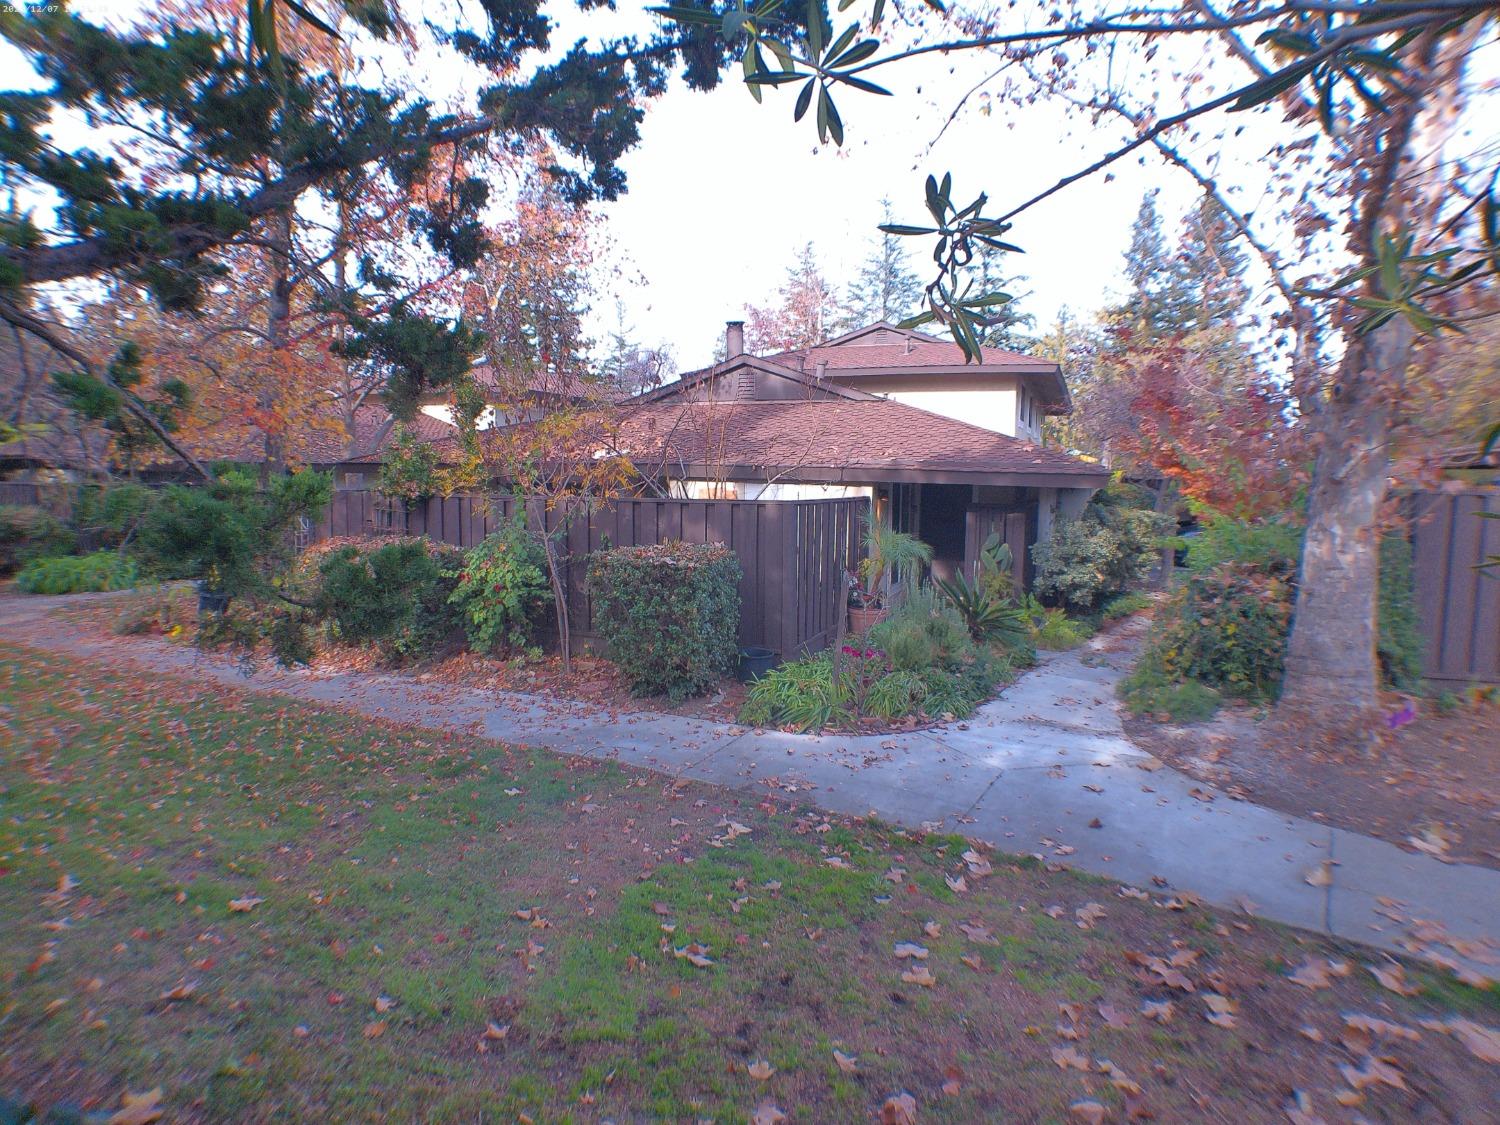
x,y
1331,655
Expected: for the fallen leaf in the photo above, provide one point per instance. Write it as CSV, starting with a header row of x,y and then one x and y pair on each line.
x,y
181,991
138,1109
244,905
1113,1017
1483,1042
932,929
1372,1072
1159,1010
899,1109
767,1114
1393,977
958,886
375,1029
384,1003
760,1070
1319,875
1312,974
694,954
976,932
847,1063
496,1031
919,975
1088,914
1087,1110
905,949
1066,1057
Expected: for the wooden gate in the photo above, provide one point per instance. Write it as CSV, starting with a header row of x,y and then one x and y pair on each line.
x,y
1458,603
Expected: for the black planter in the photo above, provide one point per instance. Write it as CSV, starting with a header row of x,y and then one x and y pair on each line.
x,y
756,661
211,602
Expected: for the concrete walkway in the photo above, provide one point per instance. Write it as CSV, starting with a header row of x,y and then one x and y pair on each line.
x,y
1045,769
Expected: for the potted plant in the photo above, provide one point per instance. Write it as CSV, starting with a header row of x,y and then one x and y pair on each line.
x,y
891,564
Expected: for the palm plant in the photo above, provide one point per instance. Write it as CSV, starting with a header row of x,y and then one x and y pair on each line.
x,y
891,558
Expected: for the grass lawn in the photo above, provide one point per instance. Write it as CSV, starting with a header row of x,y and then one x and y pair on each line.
x,y
277,912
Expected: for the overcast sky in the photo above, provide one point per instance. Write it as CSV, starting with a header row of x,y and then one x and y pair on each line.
x,y
724,192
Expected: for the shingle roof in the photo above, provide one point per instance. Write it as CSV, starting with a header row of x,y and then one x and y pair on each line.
x,y
924,352
869,439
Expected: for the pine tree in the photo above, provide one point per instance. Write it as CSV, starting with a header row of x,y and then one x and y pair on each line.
x,y
1147,272
887,288
1207,277
807,312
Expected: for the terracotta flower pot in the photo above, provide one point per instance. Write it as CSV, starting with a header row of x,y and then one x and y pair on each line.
x,y
862,619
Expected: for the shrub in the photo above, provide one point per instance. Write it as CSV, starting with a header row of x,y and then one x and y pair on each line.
x,y
1399,645
669,614
1227,628
395,595
1274,548
918,661
109,515
1054,631
77,574
800,693
1103,552
503,589
1123,605
28,533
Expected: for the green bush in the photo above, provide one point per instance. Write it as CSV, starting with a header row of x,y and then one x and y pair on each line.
x,y
1227,628
1399,646
108,515
1124,605
1103,552
503,590
1274,548
1054,631
395,595
77,574
669,614
28,533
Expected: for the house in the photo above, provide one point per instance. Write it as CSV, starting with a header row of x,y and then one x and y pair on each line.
x,y
945,450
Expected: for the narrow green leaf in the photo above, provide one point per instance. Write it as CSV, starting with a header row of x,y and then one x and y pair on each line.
x,y
900,228
312,19
841,42
804,99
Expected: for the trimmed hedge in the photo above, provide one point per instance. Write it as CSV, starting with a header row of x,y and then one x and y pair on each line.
x,y
669,614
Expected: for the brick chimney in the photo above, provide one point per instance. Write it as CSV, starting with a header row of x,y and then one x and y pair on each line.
x,y
734,338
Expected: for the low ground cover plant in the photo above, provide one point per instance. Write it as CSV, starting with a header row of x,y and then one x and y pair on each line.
x,y
669,614
78,574
920,662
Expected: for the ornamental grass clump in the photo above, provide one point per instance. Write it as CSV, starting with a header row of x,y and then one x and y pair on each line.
x,y
669,614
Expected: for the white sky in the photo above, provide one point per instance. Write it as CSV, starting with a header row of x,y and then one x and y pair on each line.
x,y
724,192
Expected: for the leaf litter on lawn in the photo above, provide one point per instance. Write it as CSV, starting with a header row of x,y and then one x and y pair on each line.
x,y
394,870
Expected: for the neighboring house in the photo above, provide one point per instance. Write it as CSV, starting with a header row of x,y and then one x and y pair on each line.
x,y
947,451
512,400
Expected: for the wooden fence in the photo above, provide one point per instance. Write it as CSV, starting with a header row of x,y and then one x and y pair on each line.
x,y
1458,604
792,553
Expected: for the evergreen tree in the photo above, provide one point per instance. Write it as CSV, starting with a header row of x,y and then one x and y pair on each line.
x,y
256,136
807,312
1148,274
887,288
1207,278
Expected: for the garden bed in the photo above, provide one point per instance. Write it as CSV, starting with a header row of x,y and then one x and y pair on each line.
x,y
1432,784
